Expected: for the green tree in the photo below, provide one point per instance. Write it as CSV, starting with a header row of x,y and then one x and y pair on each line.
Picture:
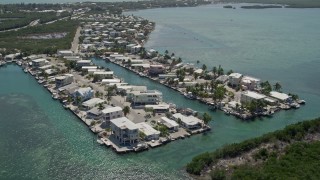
x,y
206,118
277,87
126,110
100,106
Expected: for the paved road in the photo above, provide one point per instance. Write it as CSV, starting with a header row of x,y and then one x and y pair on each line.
x,y
75,42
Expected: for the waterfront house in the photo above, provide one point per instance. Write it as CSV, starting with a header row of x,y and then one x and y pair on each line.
x,y
103,74
63,80
188,122
149,132
110,112
82,63
249,83
68,89
282,97
86,105
198,71
109,81
158,108
234,79
86,68
249,96
94,113
144,97
83,93
170,124
135,49
39,62
45,67
156,69
124,130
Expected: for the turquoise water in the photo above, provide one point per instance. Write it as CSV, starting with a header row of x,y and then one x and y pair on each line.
x,y
41,140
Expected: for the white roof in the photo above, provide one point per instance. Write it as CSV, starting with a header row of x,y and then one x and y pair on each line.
x,y
189,120
147,129
65,52
278,95
89,67
82,91
45,66
143,65
110,81
253,95
39,60
248,78
111,109
84,61
198,71
235,75
92,102
158,106
103,72
124,123
169,122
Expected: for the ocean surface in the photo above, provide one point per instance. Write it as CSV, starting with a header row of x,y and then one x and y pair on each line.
x,y
39,139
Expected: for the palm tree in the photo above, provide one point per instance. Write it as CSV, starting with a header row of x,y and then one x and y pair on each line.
x,y
204,67
100,106
206,118
214,70
277,87
126,110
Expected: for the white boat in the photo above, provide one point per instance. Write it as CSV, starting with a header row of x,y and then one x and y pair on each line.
x,y
100,142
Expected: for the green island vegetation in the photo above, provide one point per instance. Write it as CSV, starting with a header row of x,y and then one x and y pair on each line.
x,y
291,154
12,20
13,40
289,3
261,6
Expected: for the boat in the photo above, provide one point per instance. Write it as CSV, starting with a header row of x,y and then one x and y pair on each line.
x,y
301,101
189,95
100,142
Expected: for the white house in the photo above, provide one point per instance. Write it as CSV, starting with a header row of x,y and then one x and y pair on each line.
x,y
145,97
249,83
109,81
104,74
149,132
94,113
86,68
170,124
248,96
63,80
234,79
83,93
38,63
92,103
82,63
111,113
189,122
124,130
280,96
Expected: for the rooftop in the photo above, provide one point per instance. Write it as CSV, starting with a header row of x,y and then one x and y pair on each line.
x,y
189,120
147,129
278,95
235,75
124,123
92,102
253,95
111,109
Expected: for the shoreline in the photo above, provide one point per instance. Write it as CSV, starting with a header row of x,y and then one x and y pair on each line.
x,y
101,140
